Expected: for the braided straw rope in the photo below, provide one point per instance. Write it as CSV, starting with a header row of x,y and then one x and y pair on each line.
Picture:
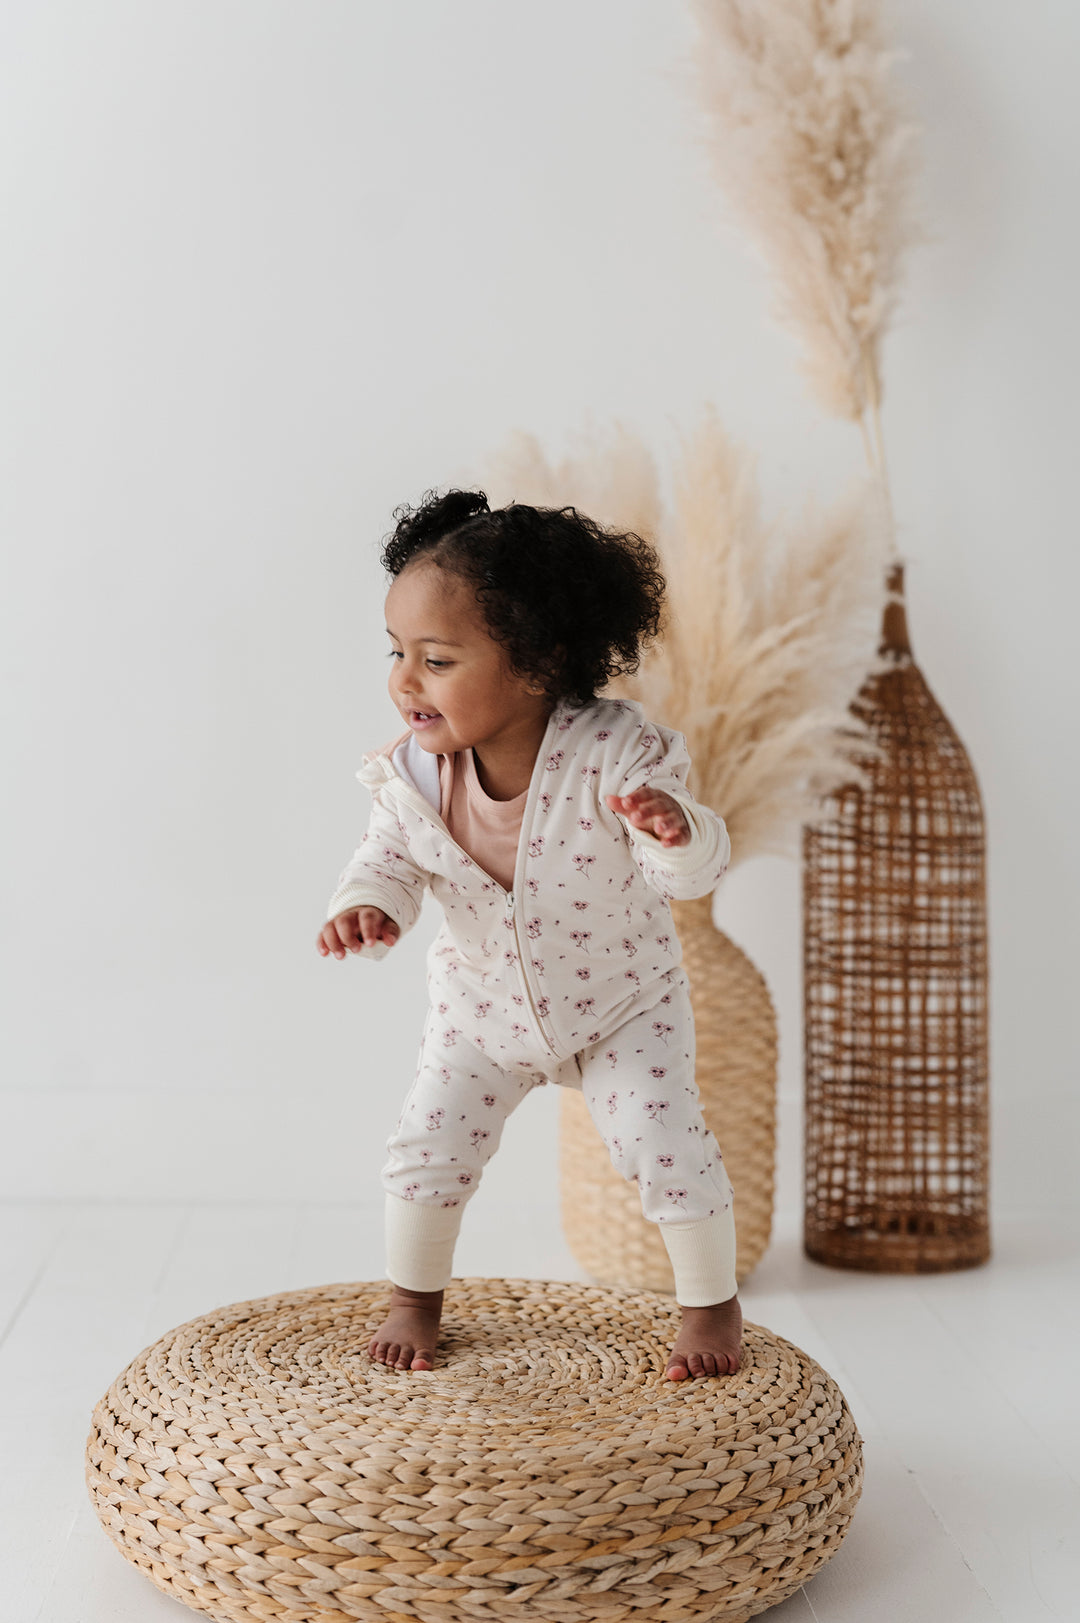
x,y
895,987
258,1466
736,1075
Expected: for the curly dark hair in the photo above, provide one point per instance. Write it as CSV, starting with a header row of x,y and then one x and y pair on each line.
x,y
572,603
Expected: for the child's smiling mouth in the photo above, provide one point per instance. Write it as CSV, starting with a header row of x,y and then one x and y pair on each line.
x,y
423,718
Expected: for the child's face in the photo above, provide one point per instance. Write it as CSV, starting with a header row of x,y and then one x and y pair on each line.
x,y
448,676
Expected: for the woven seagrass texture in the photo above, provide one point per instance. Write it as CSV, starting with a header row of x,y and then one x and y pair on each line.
x,y
258,1466
735,1027
895,988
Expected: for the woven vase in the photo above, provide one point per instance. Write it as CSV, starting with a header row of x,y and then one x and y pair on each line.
x,y
736,1076
895,988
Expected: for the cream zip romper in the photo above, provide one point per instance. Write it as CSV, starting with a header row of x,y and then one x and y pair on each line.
x,y
482,1053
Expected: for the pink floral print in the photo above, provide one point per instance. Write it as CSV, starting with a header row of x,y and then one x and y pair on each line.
x,y
679,1175
484,977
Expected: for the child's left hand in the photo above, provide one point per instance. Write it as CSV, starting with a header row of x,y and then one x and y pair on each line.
x,y
655,812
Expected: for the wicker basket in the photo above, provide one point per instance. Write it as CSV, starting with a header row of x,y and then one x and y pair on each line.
x,y
736,1076
895,992
259,1468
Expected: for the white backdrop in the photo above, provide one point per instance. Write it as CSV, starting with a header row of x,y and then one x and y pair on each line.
x,y
270,269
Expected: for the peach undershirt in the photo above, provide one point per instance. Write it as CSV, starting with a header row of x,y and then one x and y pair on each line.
x,y
487,829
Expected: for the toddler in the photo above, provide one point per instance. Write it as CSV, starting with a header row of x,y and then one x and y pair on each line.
x,y
553,827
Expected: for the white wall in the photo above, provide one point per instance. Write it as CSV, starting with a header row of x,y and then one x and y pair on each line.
x,y
272,268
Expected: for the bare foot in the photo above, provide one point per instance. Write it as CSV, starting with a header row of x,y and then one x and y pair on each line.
x,y
708,1342
409,1334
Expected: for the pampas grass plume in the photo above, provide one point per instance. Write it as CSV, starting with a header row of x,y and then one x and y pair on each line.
x,y
810,141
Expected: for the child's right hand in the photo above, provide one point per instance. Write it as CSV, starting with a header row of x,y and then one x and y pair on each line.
x,y
357,927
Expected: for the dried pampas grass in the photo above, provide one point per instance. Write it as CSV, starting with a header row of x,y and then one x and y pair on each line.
x,y
771,629
810,141
610,475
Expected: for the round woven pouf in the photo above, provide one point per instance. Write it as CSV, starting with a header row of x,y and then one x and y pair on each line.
x,y
256,1464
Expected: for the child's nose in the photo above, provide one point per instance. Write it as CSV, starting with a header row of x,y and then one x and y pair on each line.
x,y
403,678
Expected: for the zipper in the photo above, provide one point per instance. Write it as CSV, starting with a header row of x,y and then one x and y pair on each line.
x,y
522,959
405,791
527,817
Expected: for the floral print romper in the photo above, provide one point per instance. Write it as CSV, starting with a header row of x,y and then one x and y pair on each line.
x,y
573,977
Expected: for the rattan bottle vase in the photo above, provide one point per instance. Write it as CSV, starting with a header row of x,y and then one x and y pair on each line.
x,y
735,1026
895,989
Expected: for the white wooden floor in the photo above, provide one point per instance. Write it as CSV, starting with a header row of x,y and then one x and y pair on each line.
x,y
960,1385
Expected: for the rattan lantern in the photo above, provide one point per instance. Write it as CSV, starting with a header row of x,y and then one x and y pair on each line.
x,y
895,987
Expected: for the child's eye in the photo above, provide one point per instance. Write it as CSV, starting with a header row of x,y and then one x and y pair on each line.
x,y
433,664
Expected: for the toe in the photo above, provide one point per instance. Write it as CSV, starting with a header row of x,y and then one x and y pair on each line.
x,y
422,1360
676,1370
709,1364
696,1365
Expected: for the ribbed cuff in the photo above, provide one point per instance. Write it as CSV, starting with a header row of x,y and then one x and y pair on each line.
x,y
420,1241
703,1259
357,893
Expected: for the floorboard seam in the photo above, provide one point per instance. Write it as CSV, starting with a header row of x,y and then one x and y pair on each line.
x,y
17,1311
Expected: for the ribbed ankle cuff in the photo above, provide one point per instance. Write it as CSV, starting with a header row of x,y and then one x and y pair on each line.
x,y
420,1241
703,1259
